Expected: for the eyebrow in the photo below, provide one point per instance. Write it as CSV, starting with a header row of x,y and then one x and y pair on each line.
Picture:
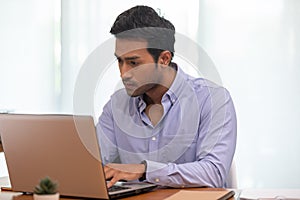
x,y
128,58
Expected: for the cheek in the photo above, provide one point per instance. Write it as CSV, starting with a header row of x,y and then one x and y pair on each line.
x,y
145,74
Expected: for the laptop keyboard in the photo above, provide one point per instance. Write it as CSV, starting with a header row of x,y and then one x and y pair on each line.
x,y
117,188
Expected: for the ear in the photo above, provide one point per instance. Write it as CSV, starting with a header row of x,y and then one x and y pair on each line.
x,y
165,58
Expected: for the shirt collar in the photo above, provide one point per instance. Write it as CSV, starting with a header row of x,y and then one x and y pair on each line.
x,y
172,94
177,85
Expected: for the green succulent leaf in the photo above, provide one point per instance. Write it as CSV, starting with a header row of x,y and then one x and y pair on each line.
x,y
46,186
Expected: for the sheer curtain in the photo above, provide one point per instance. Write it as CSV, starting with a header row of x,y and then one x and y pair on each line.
x,y
29,64
255,46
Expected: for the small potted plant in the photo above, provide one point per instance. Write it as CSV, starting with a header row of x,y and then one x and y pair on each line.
x,y
46,190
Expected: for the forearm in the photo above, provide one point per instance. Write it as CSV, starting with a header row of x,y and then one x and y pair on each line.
x,y
195,174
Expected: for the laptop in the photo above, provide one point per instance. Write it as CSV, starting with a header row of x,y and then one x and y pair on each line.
x,y
62,147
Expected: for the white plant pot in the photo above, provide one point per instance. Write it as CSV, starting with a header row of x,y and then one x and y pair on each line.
x,y
46,196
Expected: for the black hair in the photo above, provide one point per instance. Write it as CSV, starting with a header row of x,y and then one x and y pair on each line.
x,y
142,22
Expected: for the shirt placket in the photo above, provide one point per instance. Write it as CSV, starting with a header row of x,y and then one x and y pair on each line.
x,y
153,145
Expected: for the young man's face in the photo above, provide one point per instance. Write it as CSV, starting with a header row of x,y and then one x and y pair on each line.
x,y
138,71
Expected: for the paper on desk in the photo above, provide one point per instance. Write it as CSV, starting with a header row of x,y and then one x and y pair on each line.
x,y
196,195
254,194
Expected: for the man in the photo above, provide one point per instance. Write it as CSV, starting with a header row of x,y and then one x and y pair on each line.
x,y
165,127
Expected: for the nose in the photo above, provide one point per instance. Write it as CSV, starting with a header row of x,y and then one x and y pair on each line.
x,y
125,71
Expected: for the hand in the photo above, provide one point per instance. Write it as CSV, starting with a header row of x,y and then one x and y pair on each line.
x,y
128,172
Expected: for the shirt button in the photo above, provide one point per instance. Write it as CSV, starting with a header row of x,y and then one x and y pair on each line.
x,y
157,180
153,138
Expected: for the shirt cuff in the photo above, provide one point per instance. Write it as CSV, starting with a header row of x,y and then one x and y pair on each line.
x,y
157,172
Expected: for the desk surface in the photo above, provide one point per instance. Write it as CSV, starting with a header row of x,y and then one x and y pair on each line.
x,y
156,194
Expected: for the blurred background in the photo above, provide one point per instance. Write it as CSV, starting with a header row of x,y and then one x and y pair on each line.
x,y
254,44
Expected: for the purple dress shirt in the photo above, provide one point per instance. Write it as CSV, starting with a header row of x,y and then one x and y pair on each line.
x,y
191,146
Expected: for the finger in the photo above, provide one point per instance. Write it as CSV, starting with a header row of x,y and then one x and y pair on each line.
x,y
108,177
112,181
109,174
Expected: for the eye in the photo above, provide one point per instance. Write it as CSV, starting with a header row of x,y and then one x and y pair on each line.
x,y
133,63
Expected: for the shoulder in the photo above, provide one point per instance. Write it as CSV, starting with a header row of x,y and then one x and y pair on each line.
x,y
210,96
204,87
198,83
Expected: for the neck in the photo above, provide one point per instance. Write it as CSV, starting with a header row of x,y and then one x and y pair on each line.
x,y
155,94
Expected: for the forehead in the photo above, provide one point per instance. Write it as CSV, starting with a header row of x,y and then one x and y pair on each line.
x,y
124,46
